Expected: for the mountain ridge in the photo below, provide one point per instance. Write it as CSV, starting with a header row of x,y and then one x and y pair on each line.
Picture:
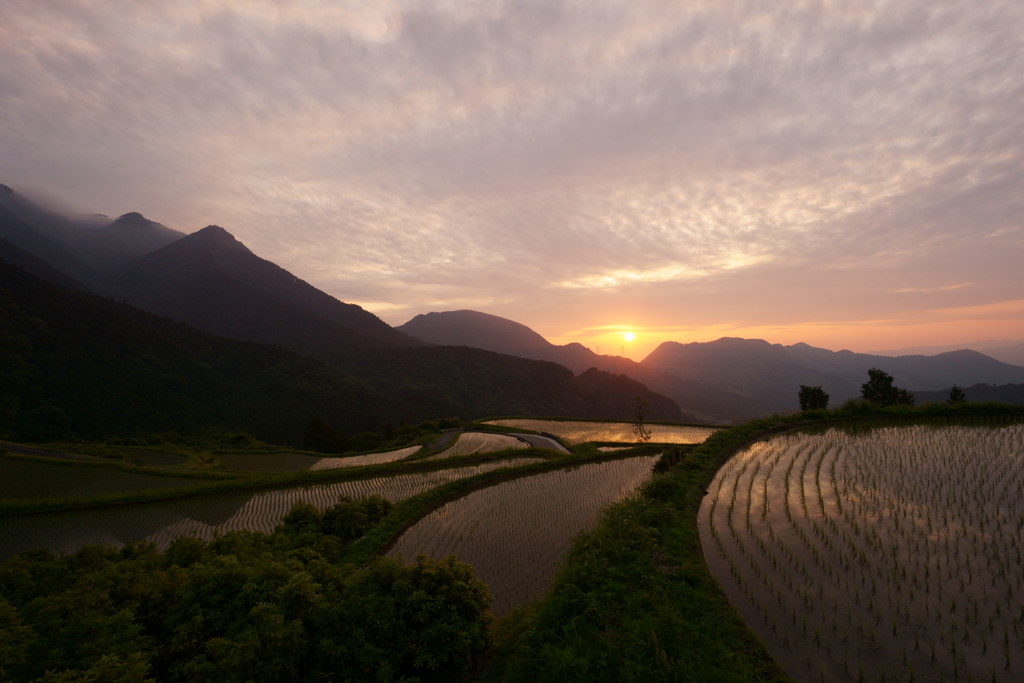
x,y
77,365
732,378
212,281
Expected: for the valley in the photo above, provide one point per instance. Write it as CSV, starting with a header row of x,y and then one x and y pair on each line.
x,y
171,397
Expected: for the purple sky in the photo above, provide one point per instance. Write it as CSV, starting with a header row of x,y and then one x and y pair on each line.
x,y
849,174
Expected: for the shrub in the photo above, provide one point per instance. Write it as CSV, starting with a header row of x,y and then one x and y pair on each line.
x,y
879,389
813,398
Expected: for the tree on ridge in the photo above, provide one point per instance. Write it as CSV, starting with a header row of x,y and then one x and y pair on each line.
x,y
880,389
813,398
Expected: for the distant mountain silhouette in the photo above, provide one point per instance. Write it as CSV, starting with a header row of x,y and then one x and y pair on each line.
x,y
1010,353
75,365
726,380
28,239
54,225
212,281
83,247
472,328
475,383
493,333
128,237
766,377
207,279
1006,393
78,365
1007,351
36,266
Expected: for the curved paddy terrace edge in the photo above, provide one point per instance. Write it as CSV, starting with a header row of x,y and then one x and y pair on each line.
x,y
635,599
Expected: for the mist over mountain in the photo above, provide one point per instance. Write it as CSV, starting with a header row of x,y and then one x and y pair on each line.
x,y
212,282
52,223
84,247
207,279
16,230
128,237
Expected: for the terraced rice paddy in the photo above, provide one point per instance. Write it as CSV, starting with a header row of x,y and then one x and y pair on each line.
x,y
516,533
23,478
479,442
580,432
206,516
295,462
892,554
363,460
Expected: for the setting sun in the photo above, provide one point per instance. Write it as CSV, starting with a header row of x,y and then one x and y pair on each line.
x,y
628,336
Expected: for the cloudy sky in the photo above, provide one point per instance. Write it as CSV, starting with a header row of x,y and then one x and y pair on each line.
x,y
845,173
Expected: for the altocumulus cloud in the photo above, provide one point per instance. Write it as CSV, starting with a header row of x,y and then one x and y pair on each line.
x,y
554,162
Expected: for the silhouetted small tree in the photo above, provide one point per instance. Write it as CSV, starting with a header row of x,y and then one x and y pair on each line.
x,y
813,398
879,389
640,430
956,395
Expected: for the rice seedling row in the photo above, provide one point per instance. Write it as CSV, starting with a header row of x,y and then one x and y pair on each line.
x,y
894,553
479,442
515,533
362,460
207,516
576,432
294,462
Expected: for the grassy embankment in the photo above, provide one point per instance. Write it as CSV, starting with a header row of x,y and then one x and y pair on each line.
x,y
634,599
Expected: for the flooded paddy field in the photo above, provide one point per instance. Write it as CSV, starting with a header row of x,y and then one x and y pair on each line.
x,y
205,516
576,432
294,462
31,478
479,442
516,533
883,554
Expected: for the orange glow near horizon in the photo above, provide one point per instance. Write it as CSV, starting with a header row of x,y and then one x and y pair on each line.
x,y
859,336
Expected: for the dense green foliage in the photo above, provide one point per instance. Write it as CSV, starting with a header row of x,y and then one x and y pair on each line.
x,y
813,398
880,389
247,606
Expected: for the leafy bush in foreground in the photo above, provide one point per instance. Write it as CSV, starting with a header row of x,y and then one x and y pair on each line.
x,y
246,606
